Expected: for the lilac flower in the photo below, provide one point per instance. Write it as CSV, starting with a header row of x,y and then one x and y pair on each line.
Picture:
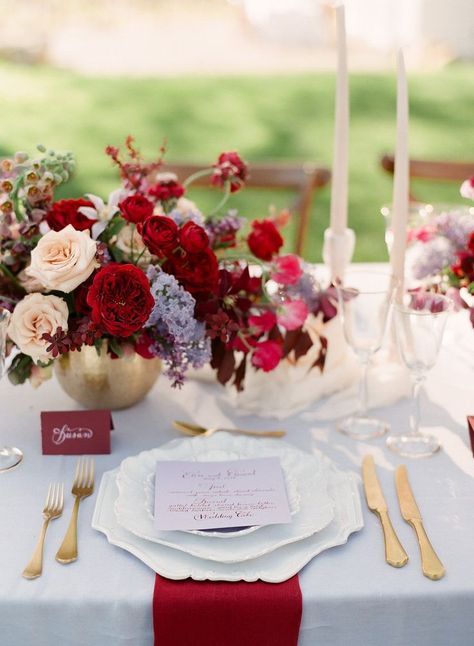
x,y
185,211
222,230
177,337
306,288
456,226
317,299
173,312
433,257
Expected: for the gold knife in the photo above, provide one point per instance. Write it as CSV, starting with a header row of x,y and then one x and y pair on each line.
x,y
430,563
395,555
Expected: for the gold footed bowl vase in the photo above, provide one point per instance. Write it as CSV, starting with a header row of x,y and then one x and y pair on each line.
x,y
98,381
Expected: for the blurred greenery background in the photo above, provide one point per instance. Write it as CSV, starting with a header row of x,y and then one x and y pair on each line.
x,y
271,117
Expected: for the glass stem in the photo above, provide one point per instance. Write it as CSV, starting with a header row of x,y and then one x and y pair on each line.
x,y
415,412
363,387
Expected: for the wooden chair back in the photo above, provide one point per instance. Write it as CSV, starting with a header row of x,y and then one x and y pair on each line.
x,y
442,171
305,179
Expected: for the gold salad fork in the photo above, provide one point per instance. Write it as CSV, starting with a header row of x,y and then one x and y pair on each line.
x,y
82,487
53,508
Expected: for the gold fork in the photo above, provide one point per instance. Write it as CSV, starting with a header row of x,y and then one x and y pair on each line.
x,y
82,487
53,508
194,430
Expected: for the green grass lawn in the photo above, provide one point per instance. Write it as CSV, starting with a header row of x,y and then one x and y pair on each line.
x,y
265,118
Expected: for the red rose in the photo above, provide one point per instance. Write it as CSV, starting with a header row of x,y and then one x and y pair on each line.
x,y
160,234
265,240
470,244
120,299
66,212
267,355
136,208
193,238
80,298
197,272
166,190
230,167
464,267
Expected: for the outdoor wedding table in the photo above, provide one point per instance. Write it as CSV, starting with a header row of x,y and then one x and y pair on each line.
x,y
350,595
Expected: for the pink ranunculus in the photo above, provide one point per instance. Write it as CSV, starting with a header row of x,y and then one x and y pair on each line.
x,y
422,234
267,355
263,322
287,270
467,188
292,314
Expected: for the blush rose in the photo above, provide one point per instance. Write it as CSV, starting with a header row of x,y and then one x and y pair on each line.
x,y
64,259
34,316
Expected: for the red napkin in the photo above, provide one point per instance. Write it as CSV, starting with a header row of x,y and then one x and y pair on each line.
x,y
208,613
470,426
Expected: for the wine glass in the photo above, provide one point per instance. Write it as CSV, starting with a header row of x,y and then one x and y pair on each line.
x,y
364,303
420,319
10,456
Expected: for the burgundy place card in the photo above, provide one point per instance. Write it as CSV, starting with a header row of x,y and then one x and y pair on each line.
x,y
76,432
470,426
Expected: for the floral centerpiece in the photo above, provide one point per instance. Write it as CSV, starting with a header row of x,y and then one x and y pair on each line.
x,y
442,253
149,274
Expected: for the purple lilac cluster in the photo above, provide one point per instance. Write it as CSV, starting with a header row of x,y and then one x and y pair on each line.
x,y
222,230
177,337
318,300
187,212
435,255
453,229
456,227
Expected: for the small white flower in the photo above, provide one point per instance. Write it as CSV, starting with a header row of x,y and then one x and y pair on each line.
x,y
165,178
102,212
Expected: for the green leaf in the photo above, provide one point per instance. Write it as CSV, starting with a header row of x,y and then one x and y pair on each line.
x,y
117,254
113,228
20,369
115,347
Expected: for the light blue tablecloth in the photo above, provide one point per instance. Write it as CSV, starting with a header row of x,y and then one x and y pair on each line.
x,y
350,595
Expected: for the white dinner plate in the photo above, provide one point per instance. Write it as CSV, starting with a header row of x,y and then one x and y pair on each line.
x,y
274,567
313,508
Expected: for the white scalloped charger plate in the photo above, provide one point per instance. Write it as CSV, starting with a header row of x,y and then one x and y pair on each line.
x,y
213,450
316,510
274,567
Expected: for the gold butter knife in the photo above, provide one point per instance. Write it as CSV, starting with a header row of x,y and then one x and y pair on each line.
x,y
395,555
430,563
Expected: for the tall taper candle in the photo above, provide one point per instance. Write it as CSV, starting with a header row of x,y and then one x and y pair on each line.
x,y
401,178
341,132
